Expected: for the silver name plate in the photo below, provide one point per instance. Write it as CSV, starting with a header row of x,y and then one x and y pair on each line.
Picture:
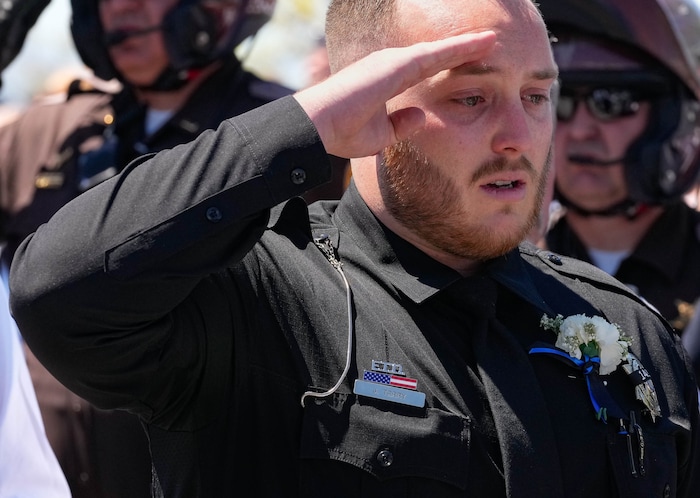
x,y
389,393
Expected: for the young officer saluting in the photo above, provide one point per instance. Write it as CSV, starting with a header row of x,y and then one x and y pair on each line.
x,y
398,342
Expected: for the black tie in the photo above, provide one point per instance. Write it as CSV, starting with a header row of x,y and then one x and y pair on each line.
x,y
526,439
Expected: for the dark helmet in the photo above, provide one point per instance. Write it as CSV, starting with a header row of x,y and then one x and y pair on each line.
x,y
194,36
664,162
16,19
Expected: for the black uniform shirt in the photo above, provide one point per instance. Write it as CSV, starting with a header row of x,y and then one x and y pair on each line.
x,y
664,268
196,303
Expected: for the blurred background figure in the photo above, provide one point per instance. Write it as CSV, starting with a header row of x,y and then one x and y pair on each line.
x,y
28,466
627,143
180,76
173,73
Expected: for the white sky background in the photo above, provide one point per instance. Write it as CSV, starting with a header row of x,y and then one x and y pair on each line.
x,y
277,53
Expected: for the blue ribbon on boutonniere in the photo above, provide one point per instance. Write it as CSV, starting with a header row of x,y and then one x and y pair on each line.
x,y
603,404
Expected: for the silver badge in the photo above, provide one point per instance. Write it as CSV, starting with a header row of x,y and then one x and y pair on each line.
x,y
643,386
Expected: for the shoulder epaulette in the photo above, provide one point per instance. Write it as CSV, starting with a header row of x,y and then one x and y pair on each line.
x,y
581,270
82,86
577,269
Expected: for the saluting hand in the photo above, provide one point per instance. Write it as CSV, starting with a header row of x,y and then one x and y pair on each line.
x,y
349,108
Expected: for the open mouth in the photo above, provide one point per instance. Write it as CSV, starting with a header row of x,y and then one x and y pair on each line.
x,y
504,184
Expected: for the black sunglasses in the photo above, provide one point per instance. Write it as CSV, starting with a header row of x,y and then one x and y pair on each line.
x,y
605,104
610,95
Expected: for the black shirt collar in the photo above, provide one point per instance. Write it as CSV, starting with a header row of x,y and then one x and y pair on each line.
x,y
410,270
413,272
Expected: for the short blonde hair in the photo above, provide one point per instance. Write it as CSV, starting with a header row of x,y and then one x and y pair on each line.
x,y
355,28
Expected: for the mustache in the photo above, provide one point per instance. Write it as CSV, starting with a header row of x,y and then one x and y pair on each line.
x,y
501,164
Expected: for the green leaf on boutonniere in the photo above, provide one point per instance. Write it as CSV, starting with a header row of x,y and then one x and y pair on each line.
x,y
590,349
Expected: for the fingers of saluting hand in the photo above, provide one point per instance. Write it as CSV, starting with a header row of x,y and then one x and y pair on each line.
x,y
349,108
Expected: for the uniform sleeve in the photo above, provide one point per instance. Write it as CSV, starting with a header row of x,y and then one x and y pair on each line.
x,y
104,293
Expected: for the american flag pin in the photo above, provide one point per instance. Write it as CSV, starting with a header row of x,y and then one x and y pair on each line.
x,y
388,382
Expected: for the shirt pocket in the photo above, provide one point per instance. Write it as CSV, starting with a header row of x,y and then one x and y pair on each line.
x,y
355,446
646,469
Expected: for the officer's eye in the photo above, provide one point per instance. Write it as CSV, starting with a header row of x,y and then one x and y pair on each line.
x,y
538,99
471,101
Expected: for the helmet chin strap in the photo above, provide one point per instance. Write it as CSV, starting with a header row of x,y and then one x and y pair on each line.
x,y
628,208
170,79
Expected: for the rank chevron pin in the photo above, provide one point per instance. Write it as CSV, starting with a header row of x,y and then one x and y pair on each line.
x,y
387,381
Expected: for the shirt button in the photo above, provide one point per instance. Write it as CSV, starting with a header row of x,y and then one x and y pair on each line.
x,y
214,214
298,176
667,491
385,458
553,258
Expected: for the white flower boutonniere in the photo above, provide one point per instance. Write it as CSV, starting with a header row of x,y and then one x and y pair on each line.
x,y
584,337
597,347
